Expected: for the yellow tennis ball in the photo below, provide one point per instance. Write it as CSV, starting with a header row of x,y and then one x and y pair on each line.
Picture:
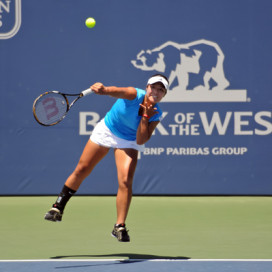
x,y
90,22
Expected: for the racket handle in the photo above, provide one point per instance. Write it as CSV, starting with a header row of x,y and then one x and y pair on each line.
x,y
87,91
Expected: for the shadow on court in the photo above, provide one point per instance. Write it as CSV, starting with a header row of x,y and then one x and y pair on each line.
x,y
130,259
129,256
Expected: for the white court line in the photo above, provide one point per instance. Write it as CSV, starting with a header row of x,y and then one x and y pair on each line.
x,y
149,260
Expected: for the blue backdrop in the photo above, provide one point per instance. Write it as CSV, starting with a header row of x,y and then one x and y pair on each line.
x,y
215,137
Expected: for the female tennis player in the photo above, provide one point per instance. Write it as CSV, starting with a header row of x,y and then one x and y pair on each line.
x,y
126,128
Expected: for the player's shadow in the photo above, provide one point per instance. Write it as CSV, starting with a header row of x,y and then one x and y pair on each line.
x,y
129,256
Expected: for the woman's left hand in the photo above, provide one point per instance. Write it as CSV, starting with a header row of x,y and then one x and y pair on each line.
x,y
148,110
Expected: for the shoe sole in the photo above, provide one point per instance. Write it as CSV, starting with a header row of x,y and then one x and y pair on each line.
x,y
51,219
119,240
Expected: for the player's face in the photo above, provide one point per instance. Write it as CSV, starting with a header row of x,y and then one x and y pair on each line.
x,y
155,92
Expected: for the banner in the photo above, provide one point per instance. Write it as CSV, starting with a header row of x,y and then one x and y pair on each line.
x,y
215,135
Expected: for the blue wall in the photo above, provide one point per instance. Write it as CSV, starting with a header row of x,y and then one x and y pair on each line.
x,y
215,137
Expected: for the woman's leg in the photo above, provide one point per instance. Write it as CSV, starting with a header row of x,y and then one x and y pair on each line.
x,y
91,155
126,162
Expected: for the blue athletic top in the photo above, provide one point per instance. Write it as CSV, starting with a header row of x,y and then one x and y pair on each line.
x,y
123,118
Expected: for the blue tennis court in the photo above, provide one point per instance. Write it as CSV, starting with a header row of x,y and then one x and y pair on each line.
x,y
137,265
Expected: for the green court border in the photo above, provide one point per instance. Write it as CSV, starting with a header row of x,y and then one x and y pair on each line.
x,y
160,228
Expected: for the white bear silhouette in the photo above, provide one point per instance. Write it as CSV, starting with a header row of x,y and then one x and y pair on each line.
x,y
179,61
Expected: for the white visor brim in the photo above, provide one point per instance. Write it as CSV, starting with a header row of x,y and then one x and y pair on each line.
x,y
156,79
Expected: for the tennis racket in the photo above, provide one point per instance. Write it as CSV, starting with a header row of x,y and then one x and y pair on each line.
x,y
50,108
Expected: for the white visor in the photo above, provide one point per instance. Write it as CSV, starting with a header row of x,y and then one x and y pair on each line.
x,y
156,79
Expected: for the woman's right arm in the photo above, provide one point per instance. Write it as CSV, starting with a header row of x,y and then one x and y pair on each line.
x,y
129,93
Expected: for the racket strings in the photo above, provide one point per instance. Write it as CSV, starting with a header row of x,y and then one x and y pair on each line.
x,y
50,108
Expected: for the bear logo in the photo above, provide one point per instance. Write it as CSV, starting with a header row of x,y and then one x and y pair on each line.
x,y
195,71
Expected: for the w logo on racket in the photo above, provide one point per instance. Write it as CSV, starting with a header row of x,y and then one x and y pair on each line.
x,y
50,107
10,18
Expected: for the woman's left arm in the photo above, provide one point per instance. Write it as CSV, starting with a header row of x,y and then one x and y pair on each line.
x,y
145,130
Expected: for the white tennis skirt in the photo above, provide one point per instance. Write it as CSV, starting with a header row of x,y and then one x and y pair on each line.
x,y
101,135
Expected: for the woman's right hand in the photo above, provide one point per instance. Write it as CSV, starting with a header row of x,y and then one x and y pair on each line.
x,y
99,88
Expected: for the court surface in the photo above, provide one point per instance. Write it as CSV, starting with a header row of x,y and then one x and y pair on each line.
x,y
167,233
